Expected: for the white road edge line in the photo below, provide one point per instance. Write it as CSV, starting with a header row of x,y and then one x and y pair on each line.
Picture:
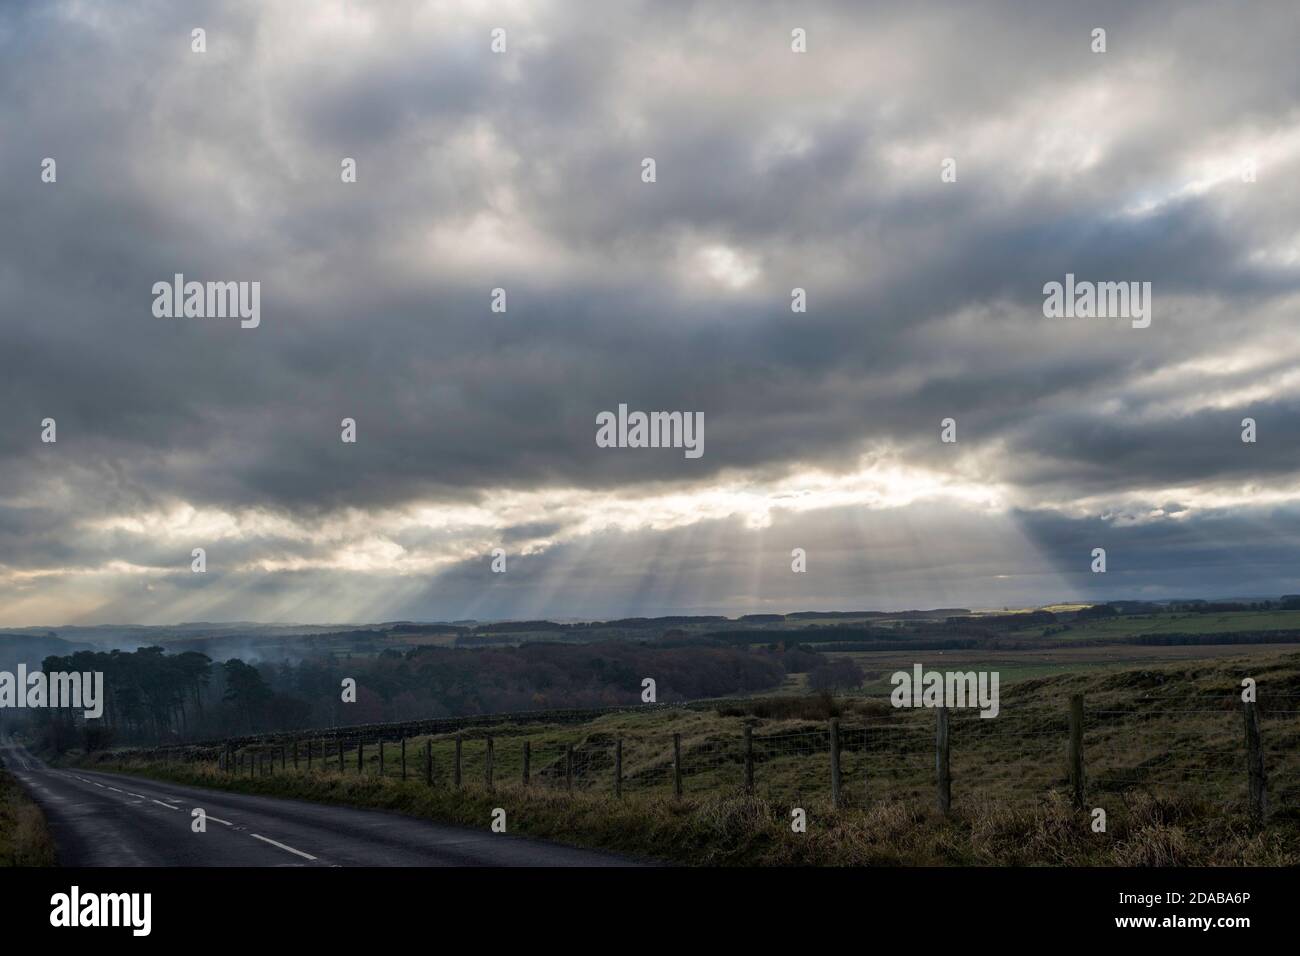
x,y
219,820
161,804
305,856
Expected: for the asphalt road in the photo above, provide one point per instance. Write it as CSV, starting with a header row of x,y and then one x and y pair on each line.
x,y
113,820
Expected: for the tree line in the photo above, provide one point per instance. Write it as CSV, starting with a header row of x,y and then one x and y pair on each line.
x,y
154,697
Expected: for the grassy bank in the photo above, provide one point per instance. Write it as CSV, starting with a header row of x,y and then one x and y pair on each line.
x,y
1164,758
1174,731
733,829
24,840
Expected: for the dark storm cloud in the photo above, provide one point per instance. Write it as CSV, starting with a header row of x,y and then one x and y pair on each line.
x,y
522,171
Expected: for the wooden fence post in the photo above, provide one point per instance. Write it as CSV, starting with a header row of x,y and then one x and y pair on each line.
x,y
528,756
749,758
677,765
1076,750
941,763
1254,762
568,767
295,753
282,763
403,758
309,755
458,745
618,767
835,763
487,764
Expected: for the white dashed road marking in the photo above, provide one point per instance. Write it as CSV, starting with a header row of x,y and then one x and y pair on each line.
x,y
305,856
226,823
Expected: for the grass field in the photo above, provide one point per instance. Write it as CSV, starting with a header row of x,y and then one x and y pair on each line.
x,y
23,837
1164,757
1061,660
1130,625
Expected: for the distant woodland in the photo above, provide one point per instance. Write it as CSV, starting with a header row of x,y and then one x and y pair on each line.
x,y
152,696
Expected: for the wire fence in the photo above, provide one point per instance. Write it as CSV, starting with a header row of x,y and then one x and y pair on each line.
x,y
1213,747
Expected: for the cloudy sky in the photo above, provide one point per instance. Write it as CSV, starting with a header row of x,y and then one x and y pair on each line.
x,y
522,170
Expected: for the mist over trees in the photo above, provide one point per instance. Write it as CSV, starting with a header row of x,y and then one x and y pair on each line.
x,y
154,697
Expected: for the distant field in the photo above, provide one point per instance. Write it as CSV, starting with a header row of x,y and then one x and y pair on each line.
x,y
369,643
1021,629
1187,623
1016,666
